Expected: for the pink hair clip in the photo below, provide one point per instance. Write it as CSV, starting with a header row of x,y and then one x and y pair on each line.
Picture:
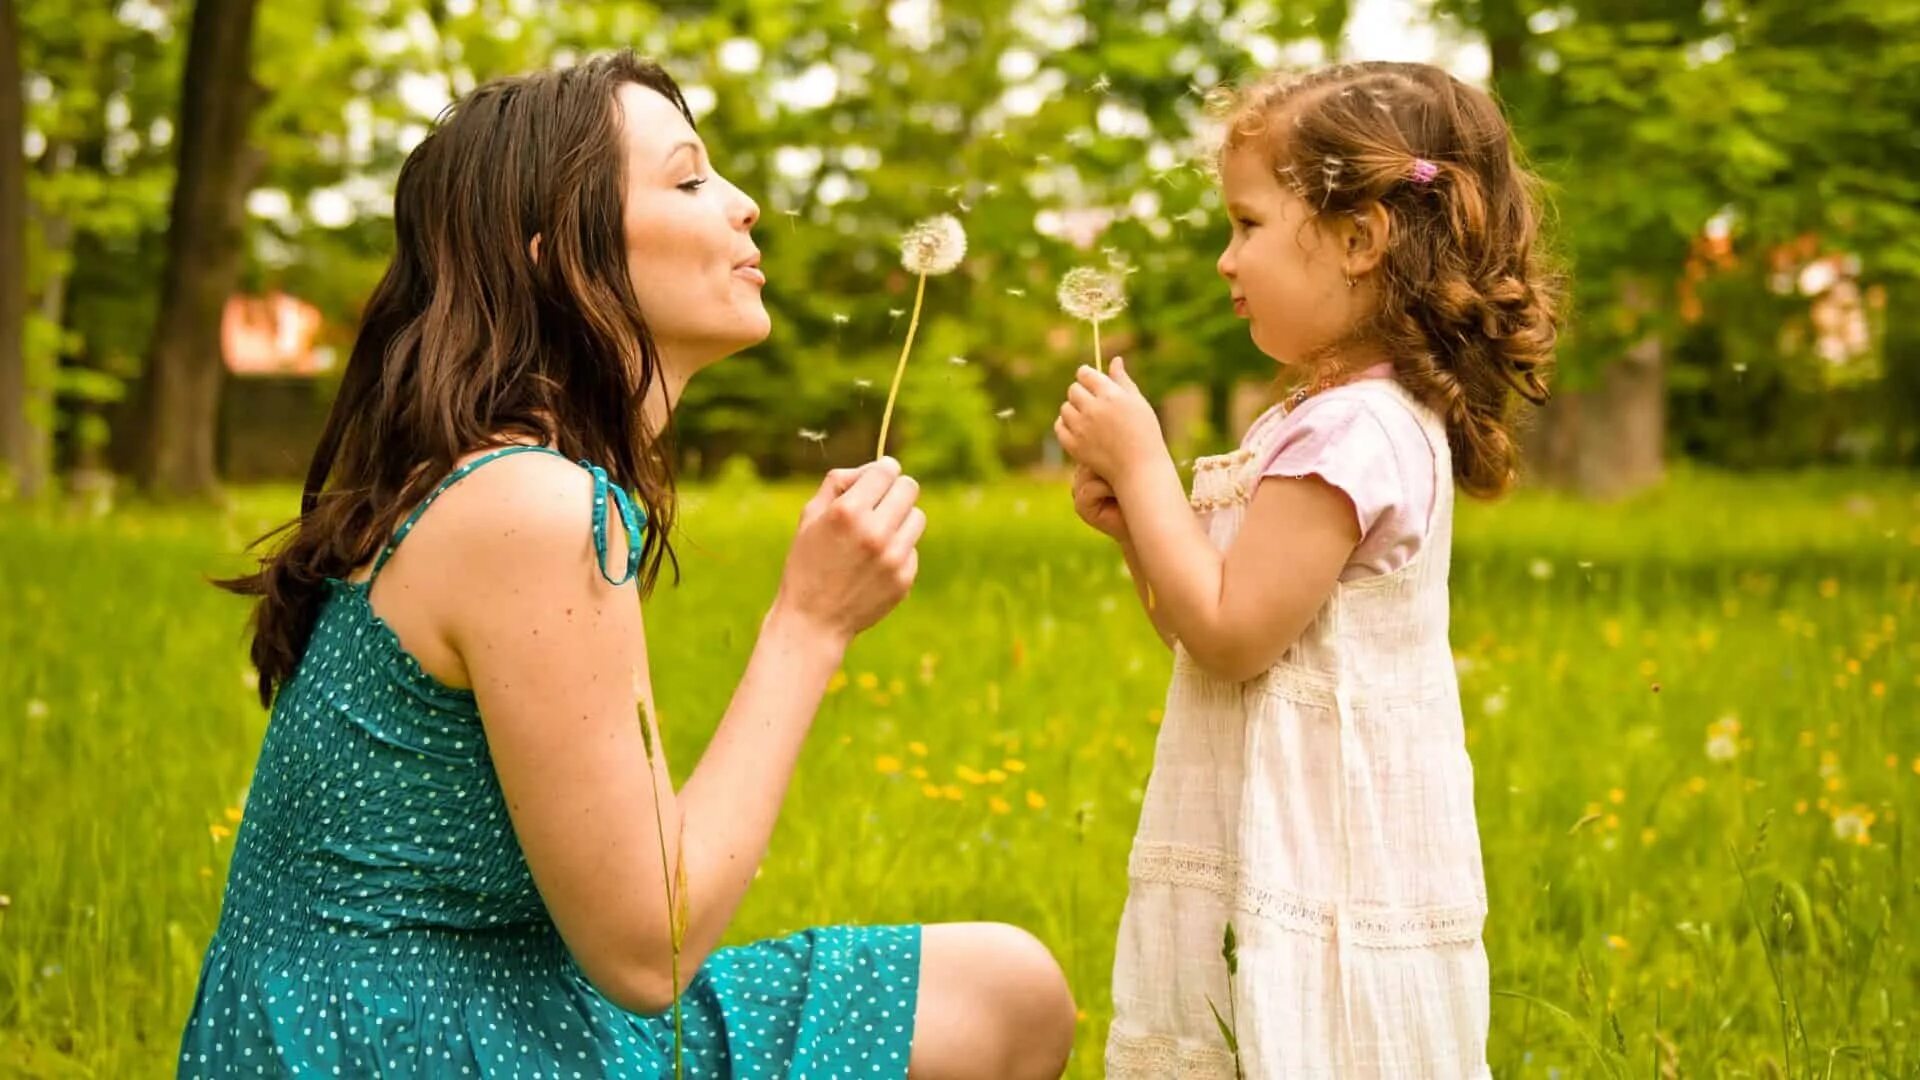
x,y
1424,171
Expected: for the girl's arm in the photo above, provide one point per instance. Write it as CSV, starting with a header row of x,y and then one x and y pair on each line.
x,y
1237,612
1094,501
1148,602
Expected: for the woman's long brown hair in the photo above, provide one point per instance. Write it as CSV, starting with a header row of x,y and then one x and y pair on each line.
x,y
470,341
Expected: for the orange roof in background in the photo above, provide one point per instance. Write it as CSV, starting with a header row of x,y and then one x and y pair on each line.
x,y
272,335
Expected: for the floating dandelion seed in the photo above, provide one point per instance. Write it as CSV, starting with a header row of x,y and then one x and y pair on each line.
x,y
1003,414
1093,295
841,318
1016,292
957,361
1102,84
864,384
895,312
813,436
934,246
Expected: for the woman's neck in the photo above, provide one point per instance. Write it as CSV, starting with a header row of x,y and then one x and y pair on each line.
x,y
664,395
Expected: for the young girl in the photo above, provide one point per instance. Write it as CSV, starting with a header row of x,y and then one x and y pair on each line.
x,y
456,849
1311,786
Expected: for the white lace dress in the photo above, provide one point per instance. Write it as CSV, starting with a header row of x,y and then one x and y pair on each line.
x,y
1325,809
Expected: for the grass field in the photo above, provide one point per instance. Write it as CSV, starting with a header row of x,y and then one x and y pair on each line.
x,y
1695,720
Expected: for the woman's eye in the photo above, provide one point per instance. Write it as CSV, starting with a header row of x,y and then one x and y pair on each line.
x,y
1245,223
694,184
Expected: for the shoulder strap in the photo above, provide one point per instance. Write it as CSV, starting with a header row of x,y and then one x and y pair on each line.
x,y
632,518
453,478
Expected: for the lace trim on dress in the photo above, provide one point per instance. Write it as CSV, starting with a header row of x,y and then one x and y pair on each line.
x,y
1211,870
1161,1057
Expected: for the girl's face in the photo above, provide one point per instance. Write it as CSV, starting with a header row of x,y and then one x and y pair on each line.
x,y
690,249
1286,272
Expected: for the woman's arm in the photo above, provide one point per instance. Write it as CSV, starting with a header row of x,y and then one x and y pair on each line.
x,y
557,660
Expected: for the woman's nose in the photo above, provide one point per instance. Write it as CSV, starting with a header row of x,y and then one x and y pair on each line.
x,y
747,212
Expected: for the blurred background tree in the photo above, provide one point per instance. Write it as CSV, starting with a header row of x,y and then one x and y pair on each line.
x,y
1734,187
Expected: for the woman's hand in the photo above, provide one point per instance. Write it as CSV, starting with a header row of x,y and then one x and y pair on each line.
x,y
1095,502
1108,425
854,558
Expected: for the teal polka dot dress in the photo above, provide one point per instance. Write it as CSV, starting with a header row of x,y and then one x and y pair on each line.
x,y
380,919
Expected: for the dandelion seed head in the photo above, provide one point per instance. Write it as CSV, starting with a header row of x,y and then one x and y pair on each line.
x,y
934,246
1091,294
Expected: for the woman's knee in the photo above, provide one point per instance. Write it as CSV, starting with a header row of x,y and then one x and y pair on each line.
x,y
1012,999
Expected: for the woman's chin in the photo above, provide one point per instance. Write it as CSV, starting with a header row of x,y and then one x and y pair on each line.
x,y
752,329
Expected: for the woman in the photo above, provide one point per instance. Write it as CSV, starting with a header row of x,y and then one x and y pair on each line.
x,y
451,861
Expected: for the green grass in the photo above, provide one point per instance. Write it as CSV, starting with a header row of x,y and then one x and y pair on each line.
x,y
1597,644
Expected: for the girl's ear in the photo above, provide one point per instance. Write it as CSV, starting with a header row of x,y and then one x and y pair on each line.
x,y
1364,235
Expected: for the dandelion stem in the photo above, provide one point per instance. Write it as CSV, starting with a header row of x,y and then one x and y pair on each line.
x,y
900,371
675,895
1099,360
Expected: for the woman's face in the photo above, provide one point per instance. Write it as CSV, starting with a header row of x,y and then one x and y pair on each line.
x,y
690,250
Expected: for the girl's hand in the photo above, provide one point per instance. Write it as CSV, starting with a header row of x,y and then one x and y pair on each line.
x,y
1095,502
1108,425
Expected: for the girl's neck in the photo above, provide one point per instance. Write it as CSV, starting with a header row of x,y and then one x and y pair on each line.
x,y
1325,376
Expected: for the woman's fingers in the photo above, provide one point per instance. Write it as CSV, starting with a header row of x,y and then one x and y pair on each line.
x,y
873,483
897,503
902,548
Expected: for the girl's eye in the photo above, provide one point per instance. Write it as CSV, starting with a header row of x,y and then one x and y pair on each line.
x,y
694,184
1245,223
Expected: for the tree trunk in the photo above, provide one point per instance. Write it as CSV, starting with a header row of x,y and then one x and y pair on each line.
x,y
25,439
179,401
1609,440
